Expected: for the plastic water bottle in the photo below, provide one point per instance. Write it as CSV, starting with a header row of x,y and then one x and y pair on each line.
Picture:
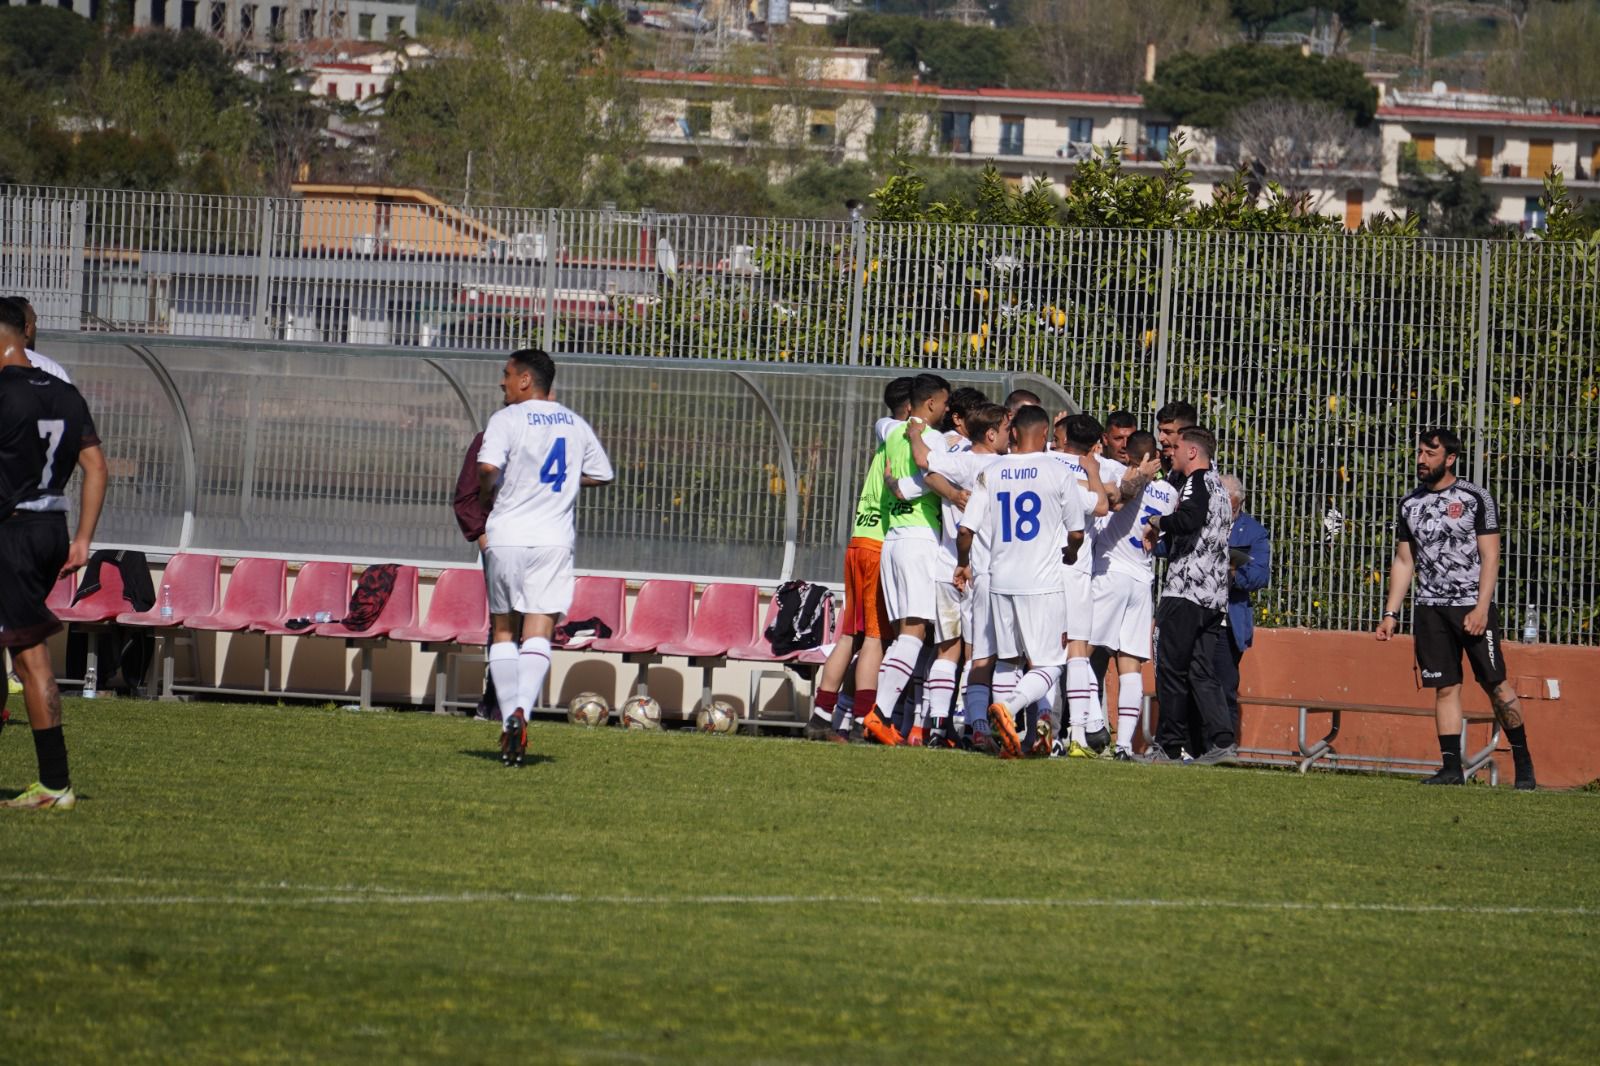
x,y
323,617
1530,625
166,602
89,691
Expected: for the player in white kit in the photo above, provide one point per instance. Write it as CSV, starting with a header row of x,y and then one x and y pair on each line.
x,y
535,455
1123,574
1021,503
1077,437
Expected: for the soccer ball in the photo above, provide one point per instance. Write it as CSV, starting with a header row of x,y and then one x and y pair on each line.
x,y
588,708
716,717
641,712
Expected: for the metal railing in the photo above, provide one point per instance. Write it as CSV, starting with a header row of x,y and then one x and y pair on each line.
x,y
1314,357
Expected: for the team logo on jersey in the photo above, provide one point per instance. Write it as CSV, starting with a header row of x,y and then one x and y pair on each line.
x,y
1455,509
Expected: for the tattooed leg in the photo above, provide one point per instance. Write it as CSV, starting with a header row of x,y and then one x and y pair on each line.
x,y
1507,707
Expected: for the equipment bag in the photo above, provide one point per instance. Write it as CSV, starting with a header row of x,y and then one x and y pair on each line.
x,y
801,623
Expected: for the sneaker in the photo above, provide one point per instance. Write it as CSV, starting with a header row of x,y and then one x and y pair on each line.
x,y
1043,741
1003,731
1184,757
1446,776
514,740
13,685
1099,740
1218,756
1157,756
875,727
1122,755
1078,751
1524,764
918,737
983,742
819,728
39,798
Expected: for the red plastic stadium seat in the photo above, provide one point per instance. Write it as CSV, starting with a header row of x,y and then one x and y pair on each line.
x,y
760,649
192,582
61,594
458,612
318,587
725,619
604,598
399,613
101,605
255,591
660,616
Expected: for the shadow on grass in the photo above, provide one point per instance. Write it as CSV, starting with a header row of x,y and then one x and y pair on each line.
x,y
532,758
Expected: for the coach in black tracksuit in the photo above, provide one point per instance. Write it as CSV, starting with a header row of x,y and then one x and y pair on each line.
x,y
1194,604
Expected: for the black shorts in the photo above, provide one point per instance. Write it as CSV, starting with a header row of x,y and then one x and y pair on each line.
x,y
1441,638
33,549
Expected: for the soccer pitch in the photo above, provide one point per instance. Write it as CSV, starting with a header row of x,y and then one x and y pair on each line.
x,y
294,884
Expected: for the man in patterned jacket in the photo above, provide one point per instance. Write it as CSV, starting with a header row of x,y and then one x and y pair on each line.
x,y
1194,602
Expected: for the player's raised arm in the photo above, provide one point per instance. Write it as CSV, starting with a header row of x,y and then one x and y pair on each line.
x,y
92,461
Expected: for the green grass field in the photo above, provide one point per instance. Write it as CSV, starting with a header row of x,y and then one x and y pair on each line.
x,y
264,884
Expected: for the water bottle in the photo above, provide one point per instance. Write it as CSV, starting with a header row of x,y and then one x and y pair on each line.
x,y
166,603
323,617
89,691
1530,625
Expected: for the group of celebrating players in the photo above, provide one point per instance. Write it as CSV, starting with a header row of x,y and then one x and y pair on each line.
x,y
999,546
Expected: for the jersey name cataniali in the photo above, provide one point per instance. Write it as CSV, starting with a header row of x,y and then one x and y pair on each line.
x,y
542,450
1119,540
1027,504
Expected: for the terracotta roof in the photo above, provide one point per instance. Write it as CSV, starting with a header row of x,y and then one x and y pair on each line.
x,y
1525,118
901,88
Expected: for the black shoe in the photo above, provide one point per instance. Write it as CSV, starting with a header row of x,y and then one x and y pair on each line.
x,y
818,728
1124,755
1099,740
1218,756
514,741
1446,776
1525,779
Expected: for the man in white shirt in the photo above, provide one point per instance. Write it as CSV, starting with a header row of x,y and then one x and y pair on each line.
x,y
1023,500
535,455
1077,438
31,337
1124,572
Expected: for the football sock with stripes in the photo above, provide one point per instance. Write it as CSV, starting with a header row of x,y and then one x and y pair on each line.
x,y
1080,688
533,666
50,745
507,679
962,716
1130,697
941,690
823,705
1097,708
1004,683
975,702
1033,686
899,665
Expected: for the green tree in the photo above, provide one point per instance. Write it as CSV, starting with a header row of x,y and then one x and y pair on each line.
x,y
1552,56
1256,15
1094,46
41,48
945,53
1444,200
1205,90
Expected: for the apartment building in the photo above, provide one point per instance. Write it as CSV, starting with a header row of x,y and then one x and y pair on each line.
x,y
264,21
692,118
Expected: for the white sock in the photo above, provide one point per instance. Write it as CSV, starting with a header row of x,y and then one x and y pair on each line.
x,y
975,702
1130,698
899,666
1004,683
941,691
533,666
1080,686
958,719
1097,709
507,682
1033,685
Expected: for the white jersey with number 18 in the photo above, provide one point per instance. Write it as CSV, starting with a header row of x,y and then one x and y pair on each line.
x,y
542,450
1025,504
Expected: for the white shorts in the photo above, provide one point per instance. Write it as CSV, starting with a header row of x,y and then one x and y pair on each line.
x,y
1077,587
907,572
1029,627
977,619
530,580
949,612
1122,614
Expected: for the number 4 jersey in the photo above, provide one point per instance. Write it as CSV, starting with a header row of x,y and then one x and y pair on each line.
x,y
542,450
1022,503
44,424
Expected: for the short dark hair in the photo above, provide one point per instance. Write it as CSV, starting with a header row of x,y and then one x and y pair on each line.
x,y
1122,420
1442,438
1141,445
1083,431
984,417
1022,398
1178,411
924,386
537,362
11,314
965,400
1201,436
1029,417
897,393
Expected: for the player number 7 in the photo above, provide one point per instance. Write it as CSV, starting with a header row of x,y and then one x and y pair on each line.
x,y
51,430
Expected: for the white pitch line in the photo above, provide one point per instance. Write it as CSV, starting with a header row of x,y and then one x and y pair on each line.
x,y
395,898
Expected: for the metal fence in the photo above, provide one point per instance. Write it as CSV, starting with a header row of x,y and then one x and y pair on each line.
x,y
1314,357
